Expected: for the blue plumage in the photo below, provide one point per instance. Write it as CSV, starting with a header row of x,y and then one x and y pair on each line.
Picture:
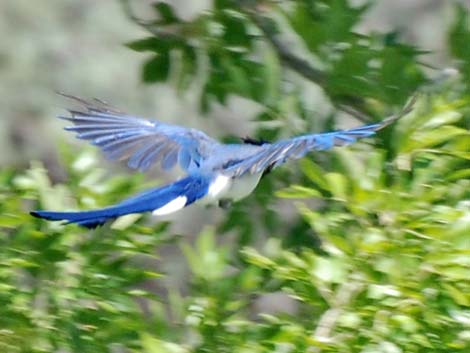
x,y
192,188
216,172
141,142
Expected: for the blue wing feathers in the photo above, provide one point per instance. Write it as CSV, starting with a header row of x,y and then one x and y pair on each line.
x,y
271,155
136,159
149,157
123,136
193,187
184,158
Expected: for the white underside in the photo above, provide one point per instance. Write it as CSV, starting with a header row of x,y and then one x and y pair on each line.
x,y
221,188
242,187
226,188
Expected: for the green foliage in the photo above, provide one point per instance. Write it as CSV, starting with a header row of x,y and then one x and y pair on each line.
x,y
366,66
459,35
240,60
398,233
374,259
62,287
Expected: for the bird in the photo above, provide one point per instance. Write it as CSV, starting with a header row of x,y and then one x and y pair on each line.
x,y
215,172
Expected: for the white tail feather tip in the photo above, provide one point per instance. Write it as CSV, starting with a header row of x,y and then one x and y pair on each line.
x,y
172,206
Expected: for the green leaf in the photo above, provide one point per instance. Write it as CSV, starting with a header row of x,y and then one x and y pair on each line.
x,y
431,138
297,192
338,185
399,73
314,173
157,68
330,270
459,37
272,75
235,34
188,67
254,257
207,261
152,344
125,221
324,22
445,117
166,13
147,44
238,80
459,297
459,175
454,273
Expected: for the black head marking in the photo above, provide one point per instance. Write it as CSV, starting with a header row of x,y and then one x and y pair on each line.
x,y
252,141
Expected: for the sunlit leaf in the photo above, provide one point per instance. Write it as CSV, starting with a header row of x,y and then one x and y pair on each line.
x,y
298,191
314,173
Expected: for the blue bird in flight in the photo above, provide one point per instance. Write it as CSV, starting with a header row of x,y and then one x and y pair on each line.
x,y
216,173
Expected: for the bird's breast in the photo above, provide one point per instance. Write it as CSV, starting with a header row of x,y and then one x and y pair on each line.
x,y
223,187
242,187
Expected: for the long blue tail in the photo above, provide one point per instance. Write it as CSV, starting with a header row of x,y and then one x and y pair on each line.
x,y
172,196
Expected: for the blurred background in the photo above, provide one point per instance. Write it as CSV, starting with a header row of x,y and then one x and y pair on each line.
x,y
77,47
213,279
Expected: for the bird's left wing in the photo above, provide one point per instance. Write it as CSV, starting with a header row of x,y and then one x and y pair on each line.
x,y
139,141
272,155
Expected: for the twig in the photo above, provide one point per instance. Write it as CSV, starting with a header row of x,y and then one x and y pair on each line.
x,y
353,112
405,110
295,62
157,31
328,320
353,105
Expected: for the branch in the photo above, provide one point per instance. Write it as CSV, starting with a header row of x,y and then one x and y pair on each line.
x,y
328,320
295,62
353,105
166,33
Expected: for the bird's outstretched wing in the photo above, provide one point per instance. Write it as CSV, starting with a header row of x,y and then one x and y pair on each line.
x,y
272,155
139,141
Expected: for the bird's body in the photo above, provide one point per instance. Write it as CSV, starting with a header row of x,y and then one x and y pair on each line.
x,y
224,188
216,173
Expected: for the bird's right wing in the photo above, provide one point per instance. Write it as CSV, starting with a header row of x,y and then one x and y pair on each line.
x,y
139,141
272,155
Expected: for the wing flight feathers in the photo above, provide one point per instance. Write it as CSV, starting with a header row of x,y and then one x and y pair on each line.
x,y
141,142
272,155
